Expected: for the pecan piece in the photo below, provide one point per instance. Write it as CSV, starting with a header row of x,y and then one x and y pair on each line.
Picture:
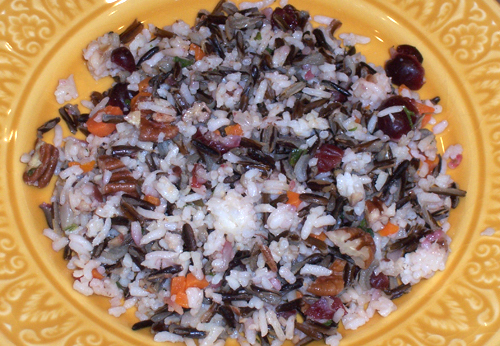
x,y
109,162
122,175
150,130
330,285
354,242
127,187
42,165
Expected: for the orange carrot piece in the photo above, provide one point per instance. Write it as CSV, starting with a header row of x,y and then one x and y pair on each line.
x,y
86,167
198,52
182,299
293,198
152,199
178,285
101,129
321,236
192,281
424,109
389,229
142,96
144,85
96,274
234,130
425,120
401,88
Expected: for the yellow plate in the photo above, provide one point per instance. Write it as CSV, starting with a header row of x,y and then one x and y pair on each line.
x,y
41,41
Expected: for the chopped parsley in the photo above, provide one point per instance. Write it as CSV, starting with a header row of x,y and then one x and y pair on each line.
x,y
295,156
258,37
364,226
71,228
183,62
409,114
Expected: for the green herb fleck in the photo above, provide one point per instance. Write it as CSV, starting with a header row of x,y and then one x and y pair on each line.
x,y
364,226
183,62
71,228
127,102
409,114
328,323
31,172
295,156
258,37
269,50
353,129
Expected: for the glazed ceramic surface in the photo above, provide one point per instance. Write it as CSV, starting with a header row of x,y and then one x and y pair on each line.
x,y
42,40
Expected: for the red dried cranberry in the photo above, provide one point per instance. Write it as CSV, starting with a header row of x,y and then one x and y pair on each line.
x,y
329,156
405,69
324,308
123,58
120,96
399,124
406,49
380,281
216,142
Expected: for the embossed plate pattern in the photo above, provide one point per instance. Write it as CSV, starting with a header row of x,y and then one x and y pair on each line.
x,y
41,41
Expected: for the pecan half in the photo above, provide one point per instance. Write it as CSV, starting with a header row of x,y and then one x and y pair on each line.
x,y
330,285
42,165
150,131
354,242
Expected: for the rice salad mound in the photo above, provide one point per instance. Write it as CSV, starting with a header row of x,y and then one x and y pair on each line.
x,y
249,177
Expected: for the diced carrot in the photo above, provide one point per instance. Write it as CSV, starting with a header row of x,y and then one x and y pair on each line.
x,y
234,130
293,198
178,285
424,109
86,167
182,299
321,236
111,110
192,281
217,132
389,229
152,199
401,88
357,120
144,85
96,274
425,120
142,96
101,129
198,51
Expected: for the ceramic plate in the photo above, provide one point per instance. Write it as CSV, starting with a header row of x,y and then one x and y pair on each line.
x,y
41,41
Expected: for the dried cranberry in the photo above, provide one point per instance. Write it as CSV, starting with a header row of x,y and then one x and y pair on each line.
x,y
285,18
216,142
406,49
405,69
324,308
400,123
380,281
329,156
338,96
120,96
123,58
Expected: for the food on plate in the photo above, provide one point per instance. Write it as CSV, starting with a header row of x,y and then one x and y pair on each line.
x,y
249,177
